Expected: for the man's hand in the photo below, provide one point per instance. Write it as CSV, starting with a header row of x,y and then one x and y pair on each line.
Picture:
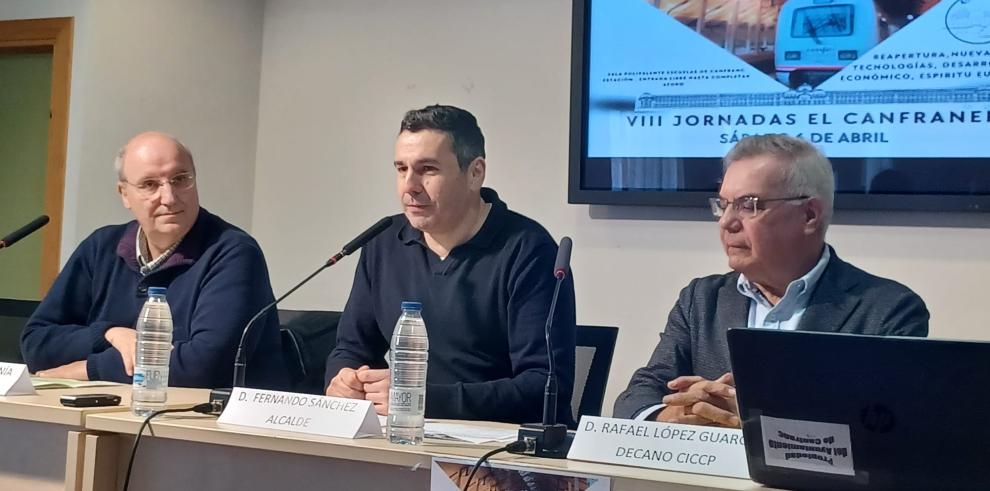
x,y
75,370
376,388
701,401
124,339
346,384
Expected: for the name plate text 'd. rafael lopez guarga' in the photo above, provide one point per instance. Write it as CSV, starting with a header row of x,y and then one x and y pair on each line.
x,y
672,447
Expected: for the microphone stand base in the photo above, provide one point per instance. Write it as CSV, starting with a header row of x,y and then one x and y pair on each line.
x,y
220,396
548,441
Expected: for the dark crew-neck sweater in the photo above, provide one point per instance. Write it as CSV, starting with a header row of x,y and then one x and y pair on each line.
x,y
484,305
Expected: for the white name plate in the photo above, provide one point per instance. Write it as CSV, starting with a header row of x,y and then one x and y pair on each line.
x,y
672,447
301,413
15,380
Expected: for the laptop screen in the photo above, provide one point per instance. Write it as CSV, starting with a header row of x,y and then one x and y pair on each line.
x,y
843,411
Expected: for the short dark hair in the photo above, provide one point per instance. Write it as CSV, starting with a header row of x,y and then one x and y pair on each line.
x,y
461,126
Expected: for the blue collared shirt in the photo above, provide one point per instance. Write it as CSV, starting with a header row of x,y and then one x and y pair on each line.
x,y
786,315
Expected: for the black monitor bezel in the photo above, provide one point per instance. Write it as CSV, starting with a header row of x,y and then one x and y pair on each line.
x,y
578,194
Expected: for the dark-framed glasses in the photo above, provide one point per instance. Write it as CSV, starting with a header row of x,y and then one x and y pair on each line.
x,y
746,206
150,187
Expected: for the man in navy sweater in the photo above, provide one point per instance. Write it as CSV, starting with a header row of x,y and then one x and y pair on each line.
x,y
483,273
215,274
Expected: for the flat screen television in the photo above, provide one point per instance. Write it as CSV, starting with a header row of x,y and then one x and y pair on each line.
x,y
895,92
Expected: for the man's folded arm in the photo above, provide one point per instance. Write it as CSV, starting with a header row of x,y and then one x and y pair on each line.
x,y
107,365
670,359
515,400
235,290
359,341
57,333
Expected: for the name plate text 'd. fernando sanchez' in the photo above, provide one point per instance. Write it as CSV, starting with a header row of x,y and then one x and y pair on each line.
x,y
301,413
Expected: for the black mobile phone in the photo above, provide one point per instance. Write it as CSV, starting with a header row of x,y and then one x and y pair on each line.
x,y
89,400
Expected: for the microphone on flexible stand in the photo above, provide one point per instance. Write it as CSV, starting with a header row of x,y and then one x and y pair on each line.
x,y
24,231
550,439
220,396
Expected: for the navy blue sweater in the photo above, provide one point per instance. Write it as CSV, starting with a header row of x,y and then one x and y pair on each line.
x,y
485,307
216,279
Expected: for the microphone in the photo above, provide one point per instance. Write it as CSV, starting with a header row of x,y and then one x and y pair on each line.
x,y
24,231
560,267
563,262
361,240
549,438
240,360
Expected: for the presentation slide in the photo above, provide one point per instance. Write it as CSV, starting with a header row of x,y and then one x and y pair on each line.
x,y
859,78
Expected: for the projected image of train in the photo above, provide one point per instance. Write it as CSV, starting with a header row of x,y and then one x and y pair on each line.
x,y
798,42
816,38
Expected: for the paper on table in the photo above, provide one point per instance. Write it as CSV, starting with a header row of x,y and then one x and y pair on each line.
x,y
469,433
463,432
67,383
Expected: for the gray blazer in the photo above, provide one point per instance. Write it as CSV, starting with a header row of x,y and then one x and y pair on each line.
x,y
846,299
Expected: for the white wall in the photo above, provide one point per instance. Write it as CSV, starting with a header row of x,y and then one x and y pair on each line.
x,y
187,67
336,78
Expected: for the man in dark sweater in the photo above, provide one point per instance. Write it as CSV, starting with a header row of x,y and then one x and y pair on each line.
x,y
483,273
773,207
215,274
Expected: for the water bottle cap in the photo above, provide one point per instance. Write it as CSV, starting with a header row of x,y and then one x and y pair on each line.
x,y
157,290
412,306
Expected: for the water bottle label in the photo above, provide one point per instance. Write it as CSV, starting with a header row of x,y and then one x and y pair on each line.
x,y
155,378
406,402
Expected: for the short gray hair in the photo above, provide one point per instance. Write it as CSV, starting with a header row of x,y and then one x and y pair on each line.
x,y
807,172
118,160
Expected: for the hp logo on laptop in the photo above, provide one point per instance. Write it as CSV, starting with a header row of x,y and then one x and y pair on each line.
x,y
877,418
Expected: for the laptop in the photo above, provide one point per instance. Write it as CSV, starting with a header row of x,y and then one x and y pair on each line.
x,y
844,411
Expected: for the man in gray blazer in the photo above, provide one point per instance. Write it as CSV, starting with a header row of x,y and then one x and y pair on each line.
x,y
774,208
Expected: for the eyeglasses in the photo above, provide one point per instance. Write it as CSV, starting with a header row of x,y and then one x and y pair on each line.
x,y
150,187
746,206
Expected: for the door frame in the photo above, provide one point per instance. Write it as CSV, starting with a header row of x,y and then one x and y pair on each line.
x,y
53,35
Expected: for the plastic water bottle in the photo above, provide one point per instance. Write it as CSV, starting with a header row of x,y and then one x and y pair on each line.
x,y
407,393
154,347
